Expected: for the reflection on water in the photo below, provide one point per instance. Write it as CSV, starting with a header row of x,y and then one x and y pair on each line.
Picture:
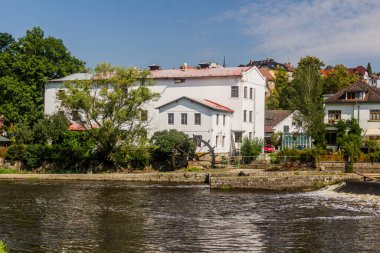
x,y
126,217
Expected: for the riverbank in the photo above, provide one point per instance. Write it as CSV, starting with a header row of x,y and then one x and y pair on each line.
x,y
229,179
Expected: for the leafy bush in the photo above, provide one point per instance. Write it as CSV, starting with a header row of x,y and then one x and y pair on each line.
x,y
3,247
304,156
171,150
250,149
3,151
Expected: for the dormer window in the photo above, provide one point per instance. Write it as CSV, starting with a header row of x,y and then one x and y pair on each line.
x,y
355,95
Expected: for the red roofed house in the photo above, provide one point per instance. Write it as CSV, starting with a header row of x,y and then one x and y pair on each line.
x,y
215,93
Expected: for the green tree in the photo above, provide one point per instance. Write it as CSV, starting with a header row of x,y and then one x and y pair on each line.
x,y
338,79
349,138
308,99
273,101
172,150
369,68
283,88
250,149
30,62
109,107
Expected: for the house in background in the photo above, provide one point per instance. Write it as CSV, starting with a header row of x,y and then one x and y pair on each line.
x,y
281,121
199,118
241,89
359,101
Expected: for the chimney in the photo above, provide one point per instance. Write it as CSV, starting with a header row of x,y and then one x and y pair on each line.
x,y
154,67
204,65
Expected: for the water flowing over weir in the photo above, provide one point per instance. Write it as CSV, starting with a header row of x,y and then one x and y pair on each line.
x,y
96,216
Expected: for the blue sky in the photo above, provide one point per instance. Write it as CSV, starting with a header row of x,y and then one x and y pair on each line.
x,y
171,32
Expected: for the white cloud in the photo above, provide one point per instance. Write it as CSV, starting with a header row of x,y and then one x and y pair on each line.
x,y
329,29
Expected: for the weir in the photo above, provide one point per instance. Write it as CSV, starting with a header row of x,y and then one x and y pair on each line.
x,y
372,188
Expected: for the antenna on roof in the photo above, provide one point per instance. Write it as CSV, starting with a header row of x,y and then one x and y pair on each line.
x,y
224,61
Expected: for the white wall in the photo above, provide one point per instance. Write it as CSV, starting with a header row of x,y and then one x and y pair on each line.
x,y
288,121
360,111
208,128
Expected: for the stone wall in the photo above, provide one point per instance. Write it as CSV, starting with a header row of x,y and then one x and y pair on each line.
x,y
358,167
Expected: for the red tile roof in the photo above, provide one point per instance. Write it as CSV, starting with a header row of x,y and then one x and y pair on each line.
x,y
267,74
191,73
359,70
76,127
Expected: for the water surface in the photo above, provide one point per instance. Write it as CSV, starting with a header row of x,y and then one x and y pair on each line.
x,y
133,217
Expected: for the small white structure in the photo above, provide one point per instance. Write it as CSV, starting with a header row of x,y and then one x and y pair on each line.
x,y
201,119
359,101
242,89
279,121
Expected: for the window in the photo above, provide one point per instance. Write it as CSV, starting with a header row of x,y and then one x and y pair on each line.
x,y
170,118
331,138
374,115
216,141
245,91
355,95
224,120
245,116
234,91
183,118
223,141
333,116
197,119
250,116
238,137
217,119
144,115
177,80
198,140
250,135
250,93
286,129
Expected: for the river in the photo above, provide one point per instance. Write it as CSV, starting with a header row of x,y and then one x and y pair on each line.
x,y
86,216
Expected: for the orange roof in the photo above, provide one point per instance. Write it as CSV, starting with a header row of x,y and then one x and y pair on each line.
x,y
76,127
266,73
191,73
325,72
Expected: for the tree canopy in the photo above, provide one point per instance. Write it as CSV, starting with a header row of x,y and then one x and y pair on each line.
x,y
109,107
26,65
338,79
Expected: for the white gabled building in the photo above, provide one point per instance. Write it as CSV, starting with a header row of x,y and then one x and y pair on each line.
x,y
199,118
241,89
359,101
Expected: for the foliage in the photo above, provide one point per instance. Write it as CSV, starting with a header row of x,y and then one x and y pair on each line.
x,y
25,66
172,149
349,139
307,155
338,79
3,247
273,101
284,89
308,99
369,68
275,139
250,149
373,151
109,107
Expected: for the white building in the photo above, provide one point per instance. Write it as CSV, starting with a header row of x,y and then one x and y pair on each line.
x,y
241,89
202,119
360,101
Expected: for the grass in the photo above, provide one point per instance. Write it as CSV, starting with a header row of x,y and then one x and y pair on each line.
x,y
12,171
193,169
3,247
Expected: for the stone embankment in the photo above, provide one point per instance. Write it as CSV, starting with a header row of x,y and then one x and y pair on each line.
x,y
232,179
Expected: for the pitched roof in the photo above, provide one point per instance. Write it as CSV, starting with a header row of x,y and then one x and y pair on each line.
x,y
72,77
191,73
274,117
204,102
270,64
267,74
372,95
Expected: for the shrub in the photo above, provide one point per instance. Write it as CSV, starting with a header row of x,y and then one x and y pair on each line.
x,y
250,149
3,151
3,247
171,150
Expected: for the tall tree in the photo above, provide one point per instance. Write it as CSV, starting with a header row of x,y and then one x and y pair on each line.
x,y
338,79
284,89
273,101
32,60
369,68
307,99
109,107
